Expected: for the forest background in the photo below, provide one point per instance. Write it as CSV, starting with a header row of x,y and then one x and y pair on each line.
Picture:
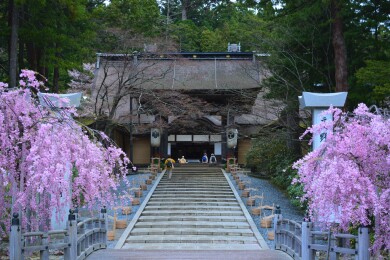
x,y
313,45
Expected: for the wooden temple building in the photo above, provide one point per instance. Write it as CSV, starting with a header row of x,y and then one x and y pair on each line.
x,y
228,82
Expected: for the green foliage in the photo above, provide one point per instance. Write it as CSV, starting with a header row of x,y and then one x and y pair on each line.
x,y
375,77
295,193
53,34
139,16
266,155
187,35
212,41
271,157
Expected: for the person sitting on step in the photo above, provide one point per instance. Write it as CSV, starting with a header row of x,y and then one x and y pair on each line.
x,y
205,159
213,159
182,160
169,165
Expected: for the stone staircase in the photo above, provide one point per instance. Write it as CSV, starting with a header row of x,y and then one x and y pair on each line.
x,y
195,210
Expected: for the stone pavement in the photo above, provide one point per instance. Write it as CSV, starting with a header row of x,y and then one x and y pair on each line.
x,y
122,254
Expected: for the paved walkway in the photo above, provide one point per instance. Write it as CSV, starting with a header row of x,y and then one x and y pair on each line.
x,y
123,254
195,215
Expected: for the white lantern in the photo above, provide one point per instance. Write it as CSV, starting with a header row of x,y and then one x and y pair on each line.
x,y
231,135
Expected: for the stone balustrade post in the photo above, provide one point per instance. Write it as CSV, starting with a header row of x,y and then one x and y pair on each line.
x,y
71,251
277,217
363,243
307,238
104,225
44,254
15,238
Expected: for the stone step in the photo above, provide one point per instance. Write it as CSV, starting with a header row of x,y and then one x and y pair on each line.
x,y
195,192
190,188
195,210
227,199
191,224
192,207
189,179
198,170
199,203
192,231
193,218
194,175
195,185
198,184
192,195
206,181
191,239
195,172
192,246
193,188
192,212
205,184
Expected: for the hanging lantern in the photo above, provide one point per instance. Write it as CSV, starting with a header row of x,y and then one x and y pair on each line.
x,y
155,137
231,135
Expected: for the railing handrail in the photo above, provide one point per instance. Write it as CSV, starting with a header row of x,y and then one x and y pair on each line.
x,y
287,239
75,246
88,220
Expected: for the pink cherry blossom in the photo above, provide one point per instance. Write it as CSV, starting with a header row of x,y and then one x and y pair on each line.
x,y
47,162
348,177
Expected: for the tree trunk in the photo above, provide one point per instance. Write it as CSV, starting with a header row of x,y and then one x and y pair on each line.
x,y
340,51
56,75
293,130
32,56
21,54
184,9
13,43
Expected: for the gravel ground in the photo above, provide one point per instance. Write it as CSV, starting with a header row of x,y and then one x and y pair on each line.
x,y
272,195
135,180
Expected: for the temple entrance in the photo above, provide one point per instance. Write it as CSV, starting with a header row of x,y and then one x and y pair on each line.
x,y
191,150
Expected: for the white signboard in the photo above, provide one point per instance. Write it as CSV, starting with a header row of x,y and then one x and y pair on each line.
x,y
184,138
201,138
217,148
318,118
215,138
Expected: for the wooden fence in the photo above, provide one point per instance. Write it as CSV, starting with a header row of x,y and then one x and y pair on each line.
x,y
78,240
302,241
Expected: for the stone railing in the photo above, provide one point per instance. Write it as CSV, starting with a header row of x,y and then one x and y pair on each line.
x,y
77,241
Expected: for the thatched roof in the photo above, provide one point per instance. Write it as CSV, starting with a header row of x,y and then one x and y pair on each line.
x,y
212,75
184,71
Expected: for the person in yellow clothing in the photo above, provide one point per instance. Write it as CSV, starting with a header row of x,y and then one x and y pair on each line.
x,y
169,165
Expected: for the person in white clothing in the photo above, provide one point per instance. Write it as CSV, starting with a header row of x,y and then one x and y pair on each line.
x,y
213,159
205,159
